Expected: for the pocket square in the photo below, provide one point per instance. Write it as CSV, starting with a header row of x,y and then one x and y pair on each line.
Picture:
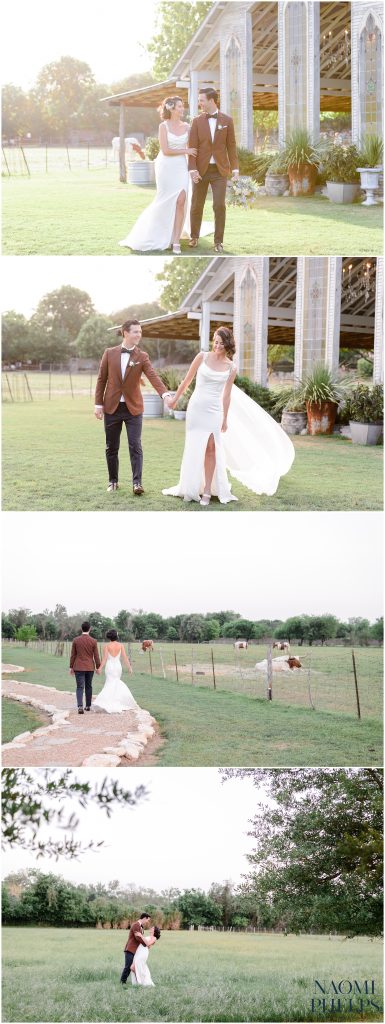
x,y
221,127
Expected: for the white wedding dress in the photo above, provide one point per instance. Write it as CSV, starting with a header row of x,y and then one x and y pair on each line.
x,y
142,974
154,227
254,449
115,695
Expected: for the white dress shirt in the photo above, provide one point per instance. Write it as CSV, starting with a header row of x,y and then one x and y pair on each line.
x,y
212,125
124,359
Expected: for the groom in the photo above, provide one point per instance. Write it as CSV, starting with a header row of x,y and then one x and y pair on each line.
x,y
83,662
135,939
118,397
212,135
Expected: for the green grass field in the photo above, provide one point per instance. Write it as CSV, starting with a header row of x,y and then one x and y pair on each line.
x,y
17,718
69,975
229,727
54,461
87,213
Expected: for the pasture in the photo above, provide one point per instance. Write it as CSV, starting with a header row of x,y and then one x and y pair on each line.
x,y
44,467
87,211
235,723
17,718
73,975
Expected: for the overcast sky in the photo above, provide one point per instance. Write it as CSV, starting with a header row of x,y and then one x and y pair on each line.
x,y
261,564
107,280
111,37
191,831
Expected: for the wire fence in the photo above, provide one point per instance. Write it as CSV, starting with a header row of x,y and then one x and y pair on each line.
x,y
30,386
25,161
334,679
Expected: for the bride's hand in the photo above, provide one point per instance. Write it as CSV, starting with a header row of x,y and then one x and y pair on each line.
x,y
224,426
191,151
170,403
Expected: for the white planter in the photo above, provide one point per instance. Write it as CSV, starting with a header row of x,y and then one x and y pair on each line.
x,y
179,415
153,406
141,172
365,433
369,182
342,192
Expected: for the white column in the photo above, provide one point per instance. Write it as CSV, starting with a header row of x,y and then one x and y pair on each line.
x,y
194,90
359,15
298,68
317,314
240,32
205,327
333,313
378,369
256,315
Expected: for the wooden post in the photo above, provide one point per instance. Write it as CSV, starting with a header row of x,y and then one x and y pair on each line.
x,y
212,662
309,684
49,381
91,385
122,144
88,158
6,161
46,159
72,390
9,388
28,387
162,664
356,685
176,666
270,672
149,655
25,161
68,158
192,665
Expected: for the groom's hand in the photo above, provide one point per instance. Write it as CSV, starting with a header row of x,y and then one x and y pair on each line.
x,y
98,411
235,172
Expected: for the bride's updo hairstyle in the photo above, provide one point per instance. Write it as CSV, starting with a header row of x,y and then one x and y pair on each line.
x,y
227,339
167,106
157,932
111,634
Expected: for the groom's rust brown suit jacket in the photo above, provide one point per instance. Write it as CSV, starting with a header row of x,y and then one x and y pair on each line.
x,y
84,654
110,385
223,148
132,942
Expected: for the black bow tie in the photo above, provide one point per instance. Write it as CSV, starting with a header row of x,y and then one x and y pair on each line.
x,y
126,351
209,116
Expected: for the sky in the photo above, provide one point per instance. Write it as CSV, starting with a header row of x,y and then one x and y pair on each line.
x,y
263,565
105,36
111,282
189,832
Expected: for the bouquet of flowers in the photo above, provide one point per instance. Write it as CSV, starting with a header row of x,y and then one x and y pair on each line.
x,y
243,192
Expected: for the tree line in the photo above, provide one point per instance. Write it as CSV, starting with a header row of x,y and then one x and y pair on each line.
x,y
316,865
23,625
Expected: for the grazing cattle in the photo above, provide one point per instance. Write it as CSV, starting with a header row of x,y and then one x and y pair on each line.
x,y
132,146
280,665
281,645
241,645
147,645
294,662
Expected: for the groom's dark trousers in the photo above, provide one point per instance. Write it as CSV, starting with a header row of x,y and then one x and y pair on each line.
x,y
218,184
128,958
83,683
113,423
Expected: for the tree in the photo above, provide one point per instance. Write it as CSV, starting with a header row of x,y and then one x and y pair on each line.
x,y
93,339
242,628
16,336
172,634
318,858
15,112
31,801
176,24
211,629
198,909
192,628
99,625
296,628
25,634
359,630
322,627
7,628
57,321
61,89
377,630
124,625
178,277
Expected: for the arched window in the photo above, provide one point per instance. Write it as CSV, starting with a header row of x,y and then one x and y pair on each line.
x,y
370,79
295,65
248,323
234,82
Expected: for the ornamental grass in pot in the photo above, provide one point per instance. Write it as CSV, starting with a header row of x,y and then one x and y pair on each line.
x,y
292,407
371,157
301,160
322,391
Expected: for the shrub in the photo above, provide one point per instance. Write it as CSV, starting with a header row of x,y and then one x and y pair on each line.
x,y
170,377
248,162
340,164
152,147
364,368
264,163
365,404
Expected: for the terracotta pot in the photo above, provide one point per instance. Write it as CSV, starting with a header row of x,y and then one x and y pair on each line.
x,y
302,179
321,417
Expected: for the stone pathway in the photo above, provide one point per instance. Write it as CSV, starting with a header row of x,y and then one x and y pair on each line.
x,y
71,740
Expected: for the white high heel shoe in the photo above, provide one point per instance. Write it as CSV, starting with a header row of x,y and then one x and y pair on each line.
x,y
205,499
176,249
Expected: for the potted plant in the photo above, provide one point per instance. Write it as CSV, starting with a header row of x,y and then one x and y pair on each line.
x,y
180,411
364,408
339,167
371,157
322,392
301,160
171,380
289,403
277,178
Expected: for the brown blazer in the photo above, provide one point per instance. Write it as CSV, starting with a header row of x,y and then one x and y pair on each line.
x,y
110,385
132,942
223,148
84,654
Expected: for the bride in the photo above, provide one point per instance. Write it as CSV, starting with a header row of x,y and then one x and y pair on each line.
x,y
226,429
160,225
140,973
115,695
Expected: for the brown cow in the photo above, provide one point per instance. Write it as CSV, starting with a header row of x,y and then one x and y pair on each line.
x,y
281,645
241,645
294,662
147,645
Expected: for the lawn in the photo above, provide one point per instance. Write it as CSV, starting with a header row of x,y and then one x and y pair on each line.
x,y
54,461
73,975
229,727
87,213
17,718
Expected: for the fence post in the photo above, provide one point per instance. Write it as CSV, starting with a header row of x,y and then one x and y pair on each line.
x,y
192,665
68,158
212,661
6,161
149,654
91,385
356,685
270,672
25,161
72,390
309,684
176,666
46,159
28,387
49,381
162,664
9,388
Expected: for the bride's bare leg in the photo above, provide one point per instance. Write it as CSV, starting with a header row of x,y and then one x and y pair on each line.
x,y
179,218
209,463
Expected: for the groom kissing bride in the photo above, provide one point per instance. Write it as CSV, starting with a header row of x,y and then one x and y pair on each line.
x,y
190,159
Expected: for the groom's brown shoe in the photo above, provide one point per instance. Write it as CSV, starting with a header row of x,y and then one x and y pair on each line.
x,y
193,243
138,489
